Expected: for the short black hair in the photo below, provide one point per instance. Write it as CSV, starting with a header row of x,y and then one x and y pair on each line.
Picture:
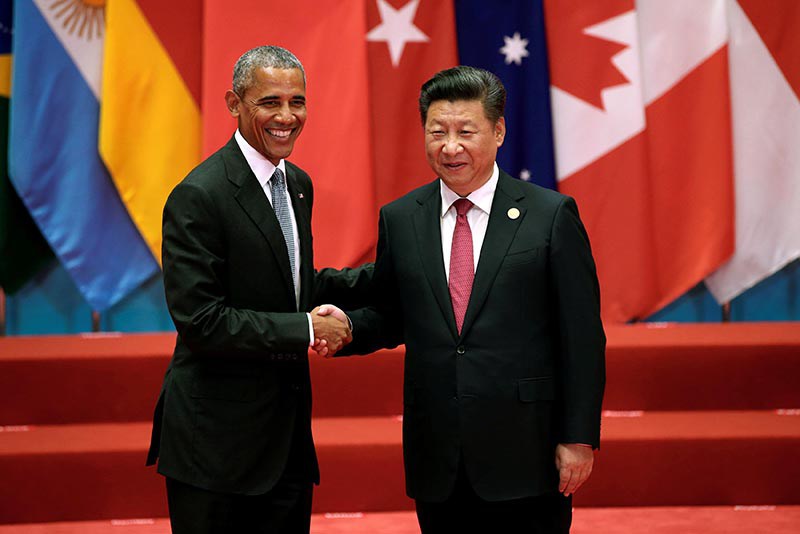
x,y
464,83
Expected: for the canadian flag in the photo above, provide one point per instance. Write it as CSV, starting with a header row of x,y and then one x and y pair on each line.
x,y
764,50
642,129
365,61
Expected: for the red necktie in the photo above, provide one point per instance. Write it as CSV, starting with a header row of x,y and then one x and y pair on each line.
x,y
462,266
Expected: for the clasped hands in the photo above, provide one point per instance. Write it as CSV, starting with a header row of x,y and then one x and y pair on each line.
x,y
331,330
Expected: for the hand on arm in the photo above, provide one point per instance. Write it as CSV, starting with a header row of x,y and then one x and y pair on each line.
x,y
574,463
331,329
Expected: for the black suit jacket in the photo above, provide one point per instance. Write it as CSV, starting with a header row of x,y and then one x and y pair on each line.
x,y
237,394
526,372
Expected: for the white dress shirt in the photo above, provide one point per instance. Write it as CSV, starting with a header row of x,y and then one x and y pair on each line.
x,y
478,217
264,169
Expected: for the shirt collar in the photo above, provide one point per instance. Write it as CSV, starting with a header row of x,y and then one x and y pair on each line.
x,y
261,166
481,197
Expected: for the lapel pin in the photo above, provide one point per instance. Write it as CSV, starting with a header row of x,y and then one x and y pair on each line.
x,y
513,213
299,195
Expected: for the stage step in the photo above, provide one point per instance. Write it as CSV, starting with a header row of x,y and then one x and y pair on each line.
x,y
116,378
77,472
661,520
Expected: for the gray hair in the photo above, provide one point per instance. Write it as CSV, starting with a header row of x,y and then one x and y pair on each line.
x,y
262,57
464,83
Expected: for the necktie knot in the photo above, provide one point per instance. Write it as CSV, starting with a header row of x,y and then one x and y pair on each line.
x,y
278,179
462,205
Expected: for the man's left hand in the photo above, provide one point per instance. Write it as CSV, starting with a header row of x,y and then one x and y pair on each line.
x,y
574,463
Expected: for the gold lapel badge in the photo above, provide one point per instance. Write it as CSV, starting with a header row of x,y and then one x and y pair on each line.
x,y
513,213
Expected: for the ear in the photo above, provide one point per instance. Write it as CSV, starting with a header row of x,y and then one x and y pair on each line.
x,y
500,131
232,102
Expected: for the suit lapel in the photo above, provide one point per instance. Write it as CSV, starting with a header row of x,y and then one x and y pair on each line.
x,y
255,203
429,238
499,235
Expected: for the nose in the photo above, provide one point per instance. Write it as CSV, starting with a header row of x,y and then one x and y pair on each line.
x,y
284,114
452,146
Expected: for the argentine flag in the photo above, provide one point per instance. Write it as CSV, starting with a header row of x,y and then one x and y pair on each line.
x,y
53,156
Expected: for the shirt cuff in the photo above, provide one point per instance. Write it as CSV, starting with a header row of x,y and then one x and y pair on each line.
x,y
310,331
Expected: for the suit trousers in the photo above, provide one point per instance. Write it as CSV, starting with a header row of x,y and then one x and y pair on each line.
x,y
285,509
466,513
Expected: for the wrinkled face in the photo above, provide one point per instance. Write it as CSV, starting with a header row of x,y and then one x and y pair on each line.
x,y
272,111
461,143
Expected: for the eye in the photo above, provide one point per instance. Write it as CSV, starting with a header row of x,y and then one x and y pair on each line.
x,y
466,133
437,133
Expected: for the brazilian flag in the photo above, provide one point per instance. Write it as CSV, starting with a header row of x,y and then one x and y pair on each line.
x,y
23,250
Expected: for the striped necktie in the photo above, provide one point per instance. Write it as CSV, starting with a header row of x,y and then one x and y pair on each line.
x,y
280,204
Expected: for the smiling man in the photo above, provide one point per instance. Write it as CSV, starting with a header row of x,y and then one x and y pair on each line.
x,y
232,427
490,283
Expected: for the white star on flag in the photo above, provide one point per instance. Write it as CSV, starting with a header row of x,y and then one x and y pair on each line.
x,y
397,28
515,49
525,174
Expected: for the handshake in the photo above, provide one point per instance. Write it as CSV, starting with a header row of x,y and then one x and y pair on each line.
x,y
331,330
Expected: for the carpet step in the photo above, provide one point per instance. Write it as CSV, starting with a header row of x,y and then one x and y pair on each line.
x,y
116,378
76,472
632,520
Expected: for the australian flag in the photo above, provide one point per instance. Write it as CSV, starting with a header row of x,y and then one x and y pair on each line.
x,y
507,38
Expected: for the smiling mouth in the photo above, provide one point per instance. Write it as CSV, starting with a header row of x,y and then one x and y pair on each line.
x,y
454,166
279,134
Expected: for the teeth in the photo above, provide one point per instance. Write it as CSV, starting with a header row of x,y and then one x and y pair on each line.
x,y
279,133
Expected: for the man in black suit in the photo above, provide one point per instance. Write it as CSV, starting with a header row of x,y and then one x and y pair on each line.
x,y
232,428
491,284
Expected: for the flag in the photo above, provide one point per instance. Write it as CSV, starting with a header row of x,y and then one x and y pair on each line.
x,y
23,250
408,42
765,91
54,161
643,142
508,39
150,130
365,62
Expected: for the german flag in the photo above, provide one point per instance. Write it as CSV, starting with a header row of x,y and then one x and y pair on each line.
x,y
150,122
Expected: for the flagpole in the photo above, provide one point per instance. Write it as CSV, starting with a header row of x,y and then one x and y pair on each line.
x,y
726,312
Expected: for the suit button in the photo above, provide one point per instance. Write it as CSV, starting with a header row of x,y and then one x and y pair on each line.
x,y
460,350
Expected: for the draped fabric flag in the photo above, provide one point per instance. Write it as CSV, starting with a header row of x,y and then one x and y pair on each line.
x,y
643,141
407,42
23,250
764,51
365,61
508,39
150,130
54,161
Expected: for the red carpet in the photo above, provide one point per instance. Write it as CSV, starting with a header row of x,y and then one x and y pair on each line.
x,y
697,415
662,520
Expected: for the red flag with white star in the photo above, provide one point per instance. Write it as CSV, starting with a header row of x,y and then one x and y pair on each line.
x,y
409,41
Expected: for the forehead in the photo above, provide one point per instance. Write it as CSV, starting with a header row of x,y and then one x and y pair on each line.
x,y
456,110
272,80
